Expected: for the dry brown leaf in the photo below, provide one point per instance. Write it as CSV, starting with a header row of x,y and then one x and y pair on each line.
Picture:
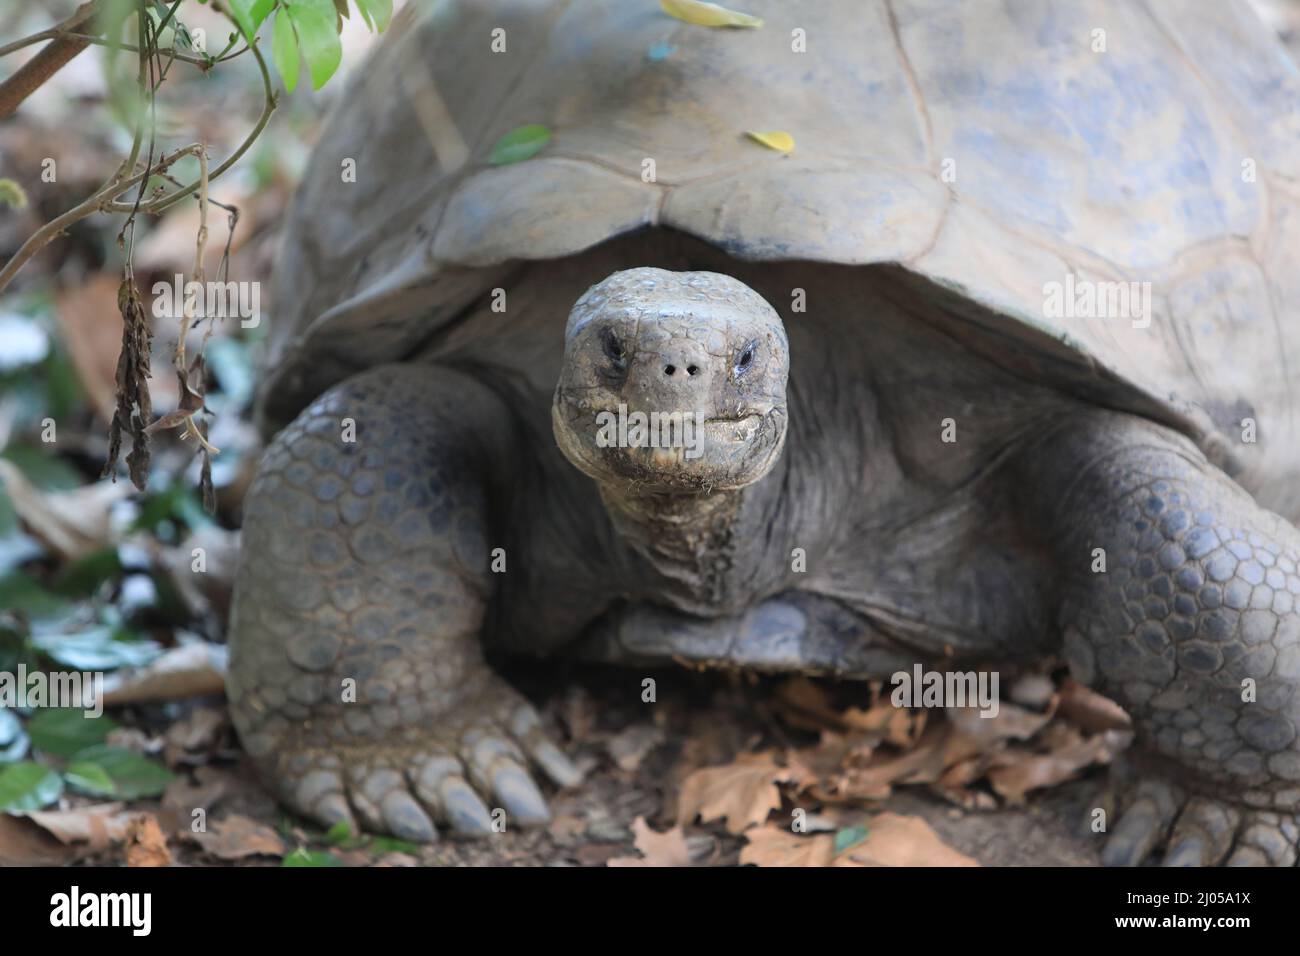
x,y
191,670
742,793
777,846
897,840
1016,773
1011,722
183,797
633,744
98,825
145,843
87,312
72,524
235,838
191,738
23,843
806,705
213,587
134,401
939,748
657,849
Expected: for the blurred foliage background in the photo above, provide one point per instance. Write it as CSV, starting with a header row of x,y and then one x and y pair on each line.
x,y
95,576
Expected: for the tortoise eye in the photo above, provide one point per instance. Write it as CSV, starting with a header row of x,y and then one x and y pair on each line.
x,y
614,348
746,358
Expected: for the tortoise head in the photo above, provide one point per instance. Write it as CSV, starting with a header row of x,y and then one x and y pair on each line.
x,y
672,382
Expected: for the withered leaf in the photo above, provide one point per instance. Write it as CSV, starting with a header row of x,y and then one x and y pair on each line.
x,y
134,408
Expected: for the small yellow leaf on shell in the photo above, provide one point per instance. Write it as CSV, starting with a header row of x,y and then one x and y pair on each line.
x,y
707,14
776,139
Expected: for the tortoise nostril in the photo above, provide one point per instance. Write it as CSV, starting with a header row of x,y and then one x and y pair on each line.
x,y
692,369
670,369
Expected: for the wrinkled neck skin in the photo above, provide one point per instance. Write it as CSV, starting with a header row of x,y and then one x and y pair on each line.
x,y
700,552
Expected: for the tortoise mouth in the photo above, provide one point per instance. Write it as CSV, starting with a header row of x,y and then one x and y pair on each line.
x,y
674,452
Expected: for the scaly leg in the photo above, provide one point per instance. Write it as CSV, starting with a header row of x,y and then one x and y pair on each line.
x,y
357,680
1194,627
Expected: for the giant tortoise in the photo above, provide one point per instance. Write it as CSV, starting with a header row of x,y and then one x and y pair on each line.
x,y
996,364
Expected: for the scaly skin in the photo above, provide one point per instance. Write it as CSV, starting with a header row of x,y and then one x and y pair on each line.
x,y
367,561
1197,603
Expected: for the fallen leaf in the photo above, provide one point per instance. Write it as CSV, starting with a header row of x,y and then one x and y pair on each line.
x,y
1011,722
633,744
776,139
940,747
657,849
807,706
776,846
86,313
896,840
211,787
99,825
192,735
1015,774
236,838
23,843
707,14
73,524
213,587
145,843
741,793
191,670
519,144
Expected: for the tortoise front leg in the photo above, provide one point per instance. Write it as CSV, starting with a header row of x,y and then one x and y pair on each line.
x,y
357,681
1193,626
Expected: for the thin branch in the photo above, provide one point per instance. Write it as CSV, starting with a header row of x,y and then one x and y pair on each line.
x,y
61,50
268,107
101,201
104,199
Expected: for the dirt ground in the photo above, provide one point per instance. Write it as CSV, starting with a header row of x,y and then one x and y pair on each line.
x,y
637,756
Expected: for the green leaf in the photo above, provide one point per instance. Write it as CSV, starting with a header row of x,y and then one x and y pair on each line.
x,y
12,194
341,832
84,576
708,14
97,649
849,836
304,857
382,844
380,11
284,46
249,14
133,776
28,786
317,24
13,739
90,778
18,592
519,144
16,546
64,731
176,503
45,471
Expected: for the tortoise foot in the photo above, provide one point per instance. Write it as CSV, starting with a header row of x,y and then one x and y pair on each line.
x,y
1160,819
470,775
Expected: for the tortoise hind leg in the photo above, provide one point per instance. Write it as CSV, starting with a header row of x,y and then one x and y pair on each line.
x,y
1194,627
357,681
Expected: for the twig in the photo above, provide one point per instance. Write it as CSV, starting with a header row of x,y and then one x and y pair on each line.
x,y
62,49
104,200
